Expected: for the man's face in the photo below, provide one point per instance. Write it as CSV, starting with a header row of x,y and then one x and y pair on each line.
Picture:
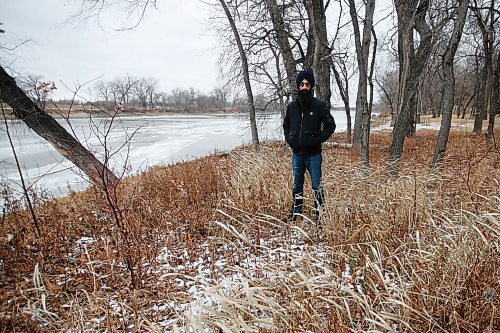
x,y
304,85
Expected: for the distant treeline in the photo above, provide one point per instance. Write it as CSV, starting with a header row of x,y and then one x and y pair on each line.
x,y
143,93
134,94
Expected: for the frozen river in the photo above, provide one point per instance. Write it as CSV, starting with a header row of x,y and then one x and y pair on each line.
x,y
152,140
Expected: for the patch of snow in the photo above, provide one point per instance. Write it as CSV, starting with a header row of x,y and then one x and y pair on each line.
x,y
85,241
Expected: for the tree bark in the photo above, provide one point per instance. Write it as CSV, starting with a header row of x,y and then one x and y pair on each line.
x,y
49,129
279,83
449,84
495,103
480,102
344,94
366,120
406,56
284,44
246,76
322,59
484,91
464,109
408,13
362,119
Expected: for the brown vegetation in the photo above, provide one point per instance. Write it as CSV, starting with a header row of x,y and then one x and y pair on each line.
x,y
415,253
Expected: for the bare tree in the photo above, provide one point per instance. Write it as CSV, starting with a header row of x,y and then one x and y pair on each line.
x,y
430,88
411,15
246,76
259,40
339,69
282,36
388,85
274,38
487,16
145,89
449,83
319,47
465,85
37,88
122,89
104,91
49,129
342,68
363,108
495,103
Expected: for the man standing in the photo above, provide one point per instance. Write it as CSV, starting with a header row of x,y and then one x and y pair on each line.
x,y
308,123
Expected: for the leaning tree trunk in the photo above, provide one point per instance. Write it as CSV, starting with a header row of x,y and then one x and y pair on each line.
x,y
362,120
49,129
449,85
246,77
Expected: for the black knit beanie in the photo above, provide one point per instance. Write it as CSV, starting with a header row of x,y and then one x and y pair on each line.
x,y
305,74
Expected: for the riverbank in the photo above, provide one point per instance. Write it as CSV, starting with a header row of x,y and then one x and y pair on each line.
x,y
201,245
84,111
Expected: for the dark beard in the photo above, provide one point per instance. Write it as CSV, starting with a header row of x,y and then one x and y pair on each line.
x,y
305,97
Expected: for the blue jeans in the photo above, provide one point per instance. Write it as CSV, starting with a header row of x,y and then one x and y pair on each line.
x,y
313,166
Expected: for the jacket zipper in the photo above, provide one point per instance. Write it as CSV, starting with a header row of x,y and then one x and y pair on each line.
x,y
301,122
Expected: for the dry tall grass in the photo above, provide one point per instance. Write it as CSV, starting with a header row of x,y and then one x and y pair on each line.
x,y
417,253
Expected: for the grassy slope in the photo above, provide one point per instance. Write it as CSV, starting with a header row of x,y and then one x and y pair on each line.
x,y
208,249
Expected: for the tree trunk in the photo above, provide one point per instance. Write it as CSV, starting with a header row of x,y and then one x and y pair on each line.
x,y
406,53
366,121
480,103
284,44
464,110
484,89
411,127
406,11
279,84
344,94
362,119
322,59
442,92
246,77
449,85
461,100
495,103
406,50
419,108
49,129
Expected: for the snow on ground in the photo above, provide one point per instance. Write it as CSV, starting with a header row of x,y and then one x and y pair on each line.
x,y
386,126
224,272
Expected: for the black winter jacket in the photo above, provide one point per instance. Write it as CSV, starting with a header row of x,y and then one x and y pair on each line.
x,y
302,127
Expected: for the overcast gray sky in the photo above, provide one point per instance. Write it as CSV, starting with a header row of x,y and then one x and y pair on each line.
x,y
173,44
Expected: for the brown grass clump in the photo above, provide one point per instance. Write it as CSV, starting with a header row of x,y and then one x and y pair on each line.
x,y
415,253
